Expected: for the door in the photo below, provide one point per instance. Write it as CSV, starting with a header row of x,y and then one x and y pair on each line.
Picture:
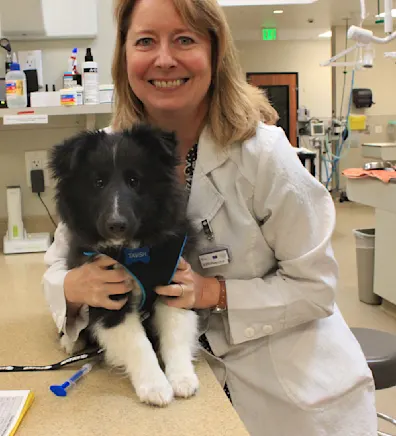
x,y
282,91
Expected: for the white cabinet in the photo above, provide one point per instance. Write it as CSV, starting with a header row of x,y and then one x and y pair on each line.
x,y
48,19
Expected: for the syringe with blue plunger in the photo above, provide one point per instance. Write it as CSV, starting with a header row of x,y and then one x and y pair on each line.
x,y
61,390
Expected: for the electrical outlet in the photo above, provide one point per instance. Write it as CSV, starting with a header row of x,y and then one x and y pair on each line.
x,y
378,129
37,160
32,59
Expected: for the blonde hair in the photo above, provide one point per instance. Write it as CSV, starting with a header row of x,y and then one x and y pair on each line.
x,y
235,107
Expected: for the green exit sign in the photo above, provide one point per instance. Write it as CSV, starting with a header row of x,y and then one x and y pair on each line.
x,y
269,34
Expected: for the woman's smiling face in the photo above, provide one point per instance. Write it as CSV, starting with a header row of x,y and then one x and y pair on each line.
x,y
169,65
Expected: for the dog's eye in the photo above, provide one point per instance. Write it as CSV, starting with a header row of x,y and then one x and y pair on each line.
x,y
133,182
99,183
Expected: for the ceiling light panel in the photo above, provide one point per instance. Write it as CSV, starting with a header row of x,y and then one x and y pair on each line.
x,y
264,2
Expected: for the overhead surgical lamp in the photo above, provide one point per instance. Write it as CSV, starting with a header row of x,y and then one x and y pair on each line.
x,y
364,39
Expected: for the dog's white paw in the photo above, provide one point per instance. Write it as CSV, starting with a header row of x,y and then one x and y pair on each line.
x,y
155,392
184,385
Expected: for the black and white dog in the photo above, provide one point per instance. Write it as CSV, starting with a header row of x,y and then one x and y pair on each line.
x,y
119,194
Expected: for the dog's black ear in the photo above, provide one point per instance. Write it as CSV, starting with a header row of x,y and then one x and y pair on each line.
x,y
168,142
64,157
161,142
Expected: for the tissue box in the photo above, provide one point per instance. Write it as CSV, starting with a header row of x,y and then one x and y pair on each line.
x,y
45,99
106,93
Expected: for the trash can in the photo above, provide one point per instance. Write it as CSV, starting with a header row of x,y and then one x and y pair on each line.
x,y
365,250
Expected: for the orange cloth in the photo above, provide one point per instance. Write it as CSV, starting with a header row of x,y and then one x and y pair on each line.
x,y
356,173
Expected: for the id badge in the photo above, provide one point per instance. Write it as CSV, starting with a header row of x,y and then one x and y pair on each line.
x,y
217,257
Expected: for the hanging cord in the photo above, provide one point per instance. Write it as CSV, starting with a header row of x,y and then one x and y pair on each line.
x,y
46,208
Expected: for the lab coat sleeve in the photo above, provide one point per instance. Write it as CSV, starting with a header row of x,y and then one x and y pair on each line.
x,y
53,279
298,219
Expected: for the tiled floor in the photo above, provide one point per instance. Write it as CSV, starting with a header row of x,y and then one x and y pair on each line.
x,y
357,314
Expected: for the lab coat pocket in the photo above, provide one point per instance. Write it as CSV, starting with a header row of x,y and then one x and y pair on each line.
x,y
319,362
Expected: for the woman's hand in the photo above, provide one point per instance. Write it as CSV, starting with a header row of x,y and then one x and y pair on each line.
x,y
93,283
190,290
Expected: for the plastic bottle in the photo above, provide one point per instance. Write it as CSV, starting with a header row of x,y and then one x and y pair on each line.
x,y
16,89
90,79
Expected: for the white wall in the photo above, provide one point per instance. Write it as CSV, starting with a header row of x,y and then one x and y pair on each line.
x,y
14,142
381,80
303,57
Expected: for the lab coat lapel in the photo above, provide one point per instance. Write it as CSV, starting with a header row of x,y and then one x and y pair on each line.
x,y
205,200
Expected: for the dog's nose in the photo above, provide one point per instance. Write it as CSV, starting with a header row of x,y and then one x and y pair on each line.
x,y
117,226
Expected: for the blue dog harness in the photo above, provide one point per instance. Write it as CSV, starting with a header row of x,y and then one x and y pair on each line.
x,y
149,266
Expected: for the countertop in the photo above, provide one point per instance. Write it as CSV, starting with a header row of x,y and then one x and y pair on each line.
x,y
104,402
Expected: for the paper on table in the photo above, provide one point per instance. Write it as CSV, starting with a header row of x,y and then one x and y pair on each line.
x,y
13,406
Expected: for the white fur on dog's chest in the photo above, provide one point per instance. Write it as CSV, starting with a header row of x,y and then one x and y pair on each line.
x,y
127,346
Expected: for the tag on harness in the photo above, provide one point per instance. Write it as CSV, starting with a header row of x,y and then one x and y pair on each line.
x,y
133,255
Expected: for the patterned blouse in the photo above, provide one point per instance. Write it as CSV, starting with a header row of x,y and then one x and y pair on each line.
x,y
191,158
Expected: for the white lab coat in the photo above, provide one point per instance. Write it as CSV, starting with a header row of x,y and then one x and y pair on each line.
x,y
291,363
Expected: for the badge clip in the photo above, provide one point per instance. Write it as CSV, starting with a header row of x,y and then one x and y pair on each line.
x,y
207,230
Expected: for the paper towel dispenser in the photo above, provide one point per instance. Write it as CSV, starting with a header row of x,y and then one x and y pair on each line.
x,y
48,19
362,97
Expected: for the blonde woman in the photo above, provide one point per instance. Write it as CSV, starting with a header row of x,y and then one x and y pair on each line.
x,y
270,328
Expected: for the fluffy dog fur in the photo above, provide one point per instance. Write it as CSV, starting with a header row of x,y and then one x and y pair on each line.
x,y
122,190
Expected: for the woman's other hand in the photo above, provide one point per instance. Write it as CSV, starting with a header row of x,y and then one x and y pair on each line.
x,y
190,290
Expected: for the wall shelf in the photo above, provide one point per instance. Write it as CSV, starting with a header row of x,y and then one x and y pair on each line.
x,y
90,111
